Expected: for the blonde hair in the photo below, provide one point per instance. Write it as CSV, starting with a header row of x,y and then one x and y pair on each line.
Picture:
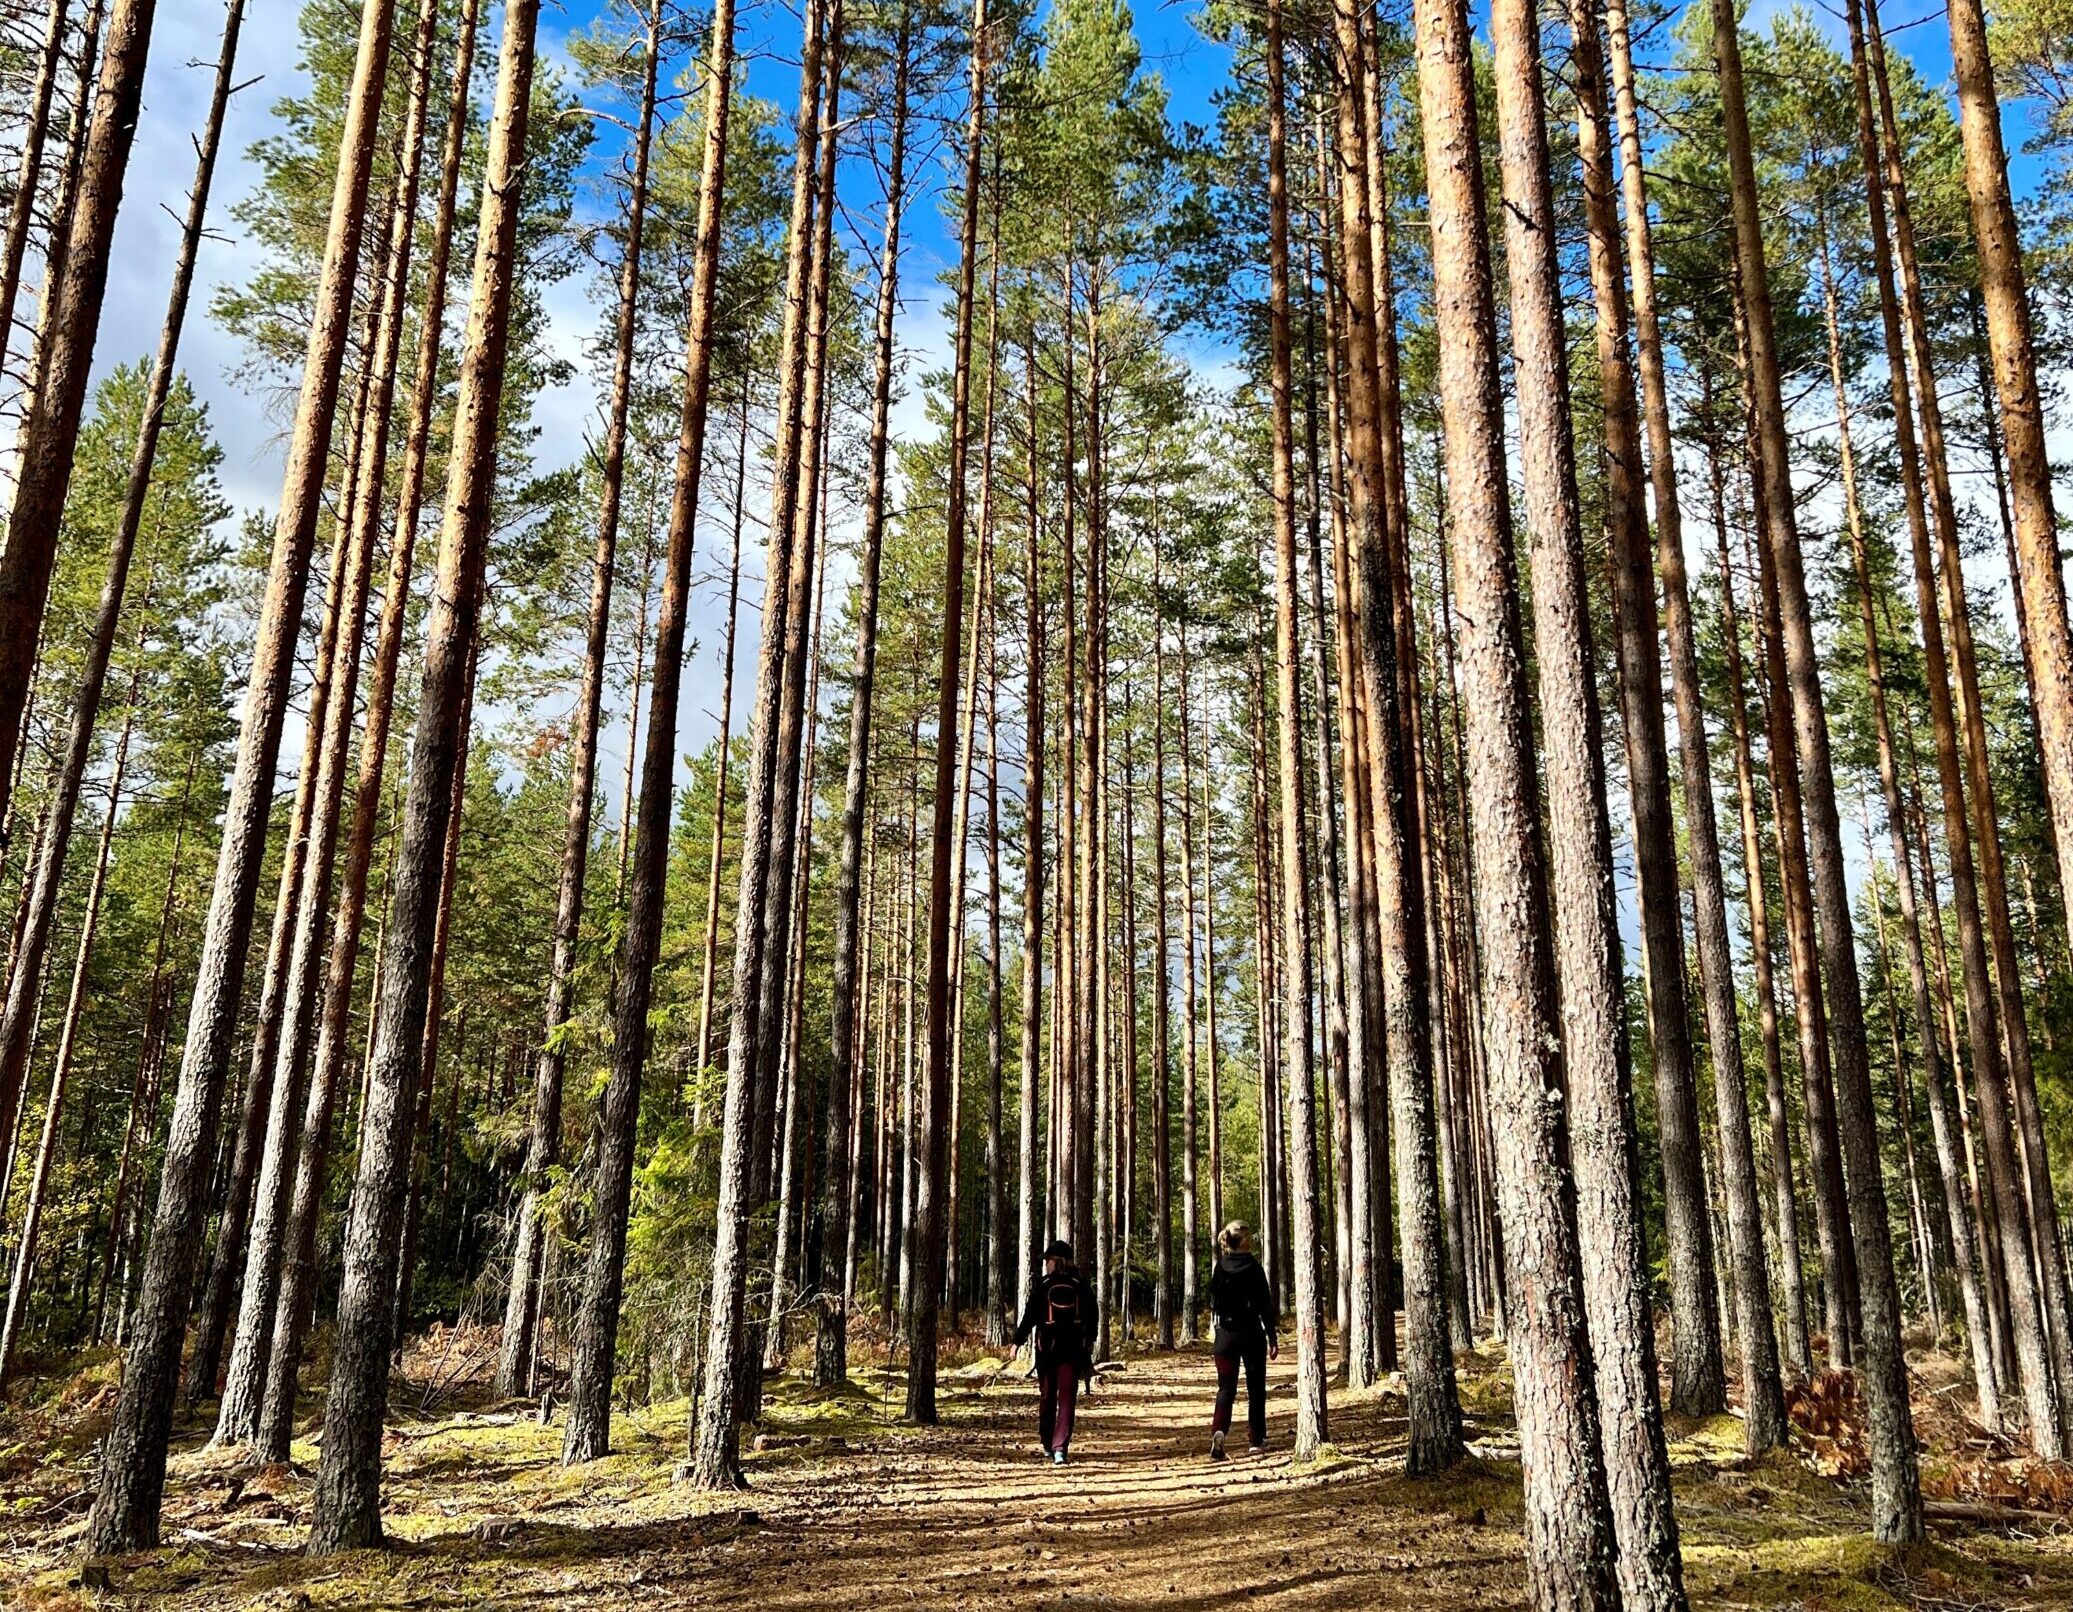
x,y
1234,1237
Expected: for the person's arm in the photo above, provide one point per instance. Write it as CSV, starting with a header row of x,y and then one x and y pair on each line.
x,y
1028,1324
1089,1307
1269,1316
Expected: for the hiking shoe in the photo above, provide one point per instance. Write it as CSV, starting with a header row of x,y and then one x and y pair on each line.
x,y
1058,1458
1216,1447
1257,1449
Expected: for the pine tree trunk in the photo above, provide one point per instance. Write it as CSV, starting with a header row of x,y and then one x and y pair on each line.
x,y
133,1459
402,1306
2012,346
258,1151
346,1510
1989,197
65,192
1889,775
70,326
1191,1072
328,749
297,1280
1306,1252
543,1148
932,1182
1212,1094
1000,1326
798,484
1345,1050
32,936
21,215
591,1358
1698,1384
794,1151
1360,970
830,1228
1762,1385
1824,1165
1896,1486
1028,1209
1569,1521
1603,1136
713,1438
1406,1034
960,833
1162,1060
1786,1211
714,858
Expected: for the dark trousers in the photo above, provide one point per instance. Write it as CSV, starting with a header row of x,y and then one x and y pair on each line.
x,y
1059,1386
1254,1355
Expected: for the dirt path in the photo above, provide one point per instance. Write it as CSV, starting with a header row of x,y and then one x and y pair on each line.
x,y
848,1511
973,1516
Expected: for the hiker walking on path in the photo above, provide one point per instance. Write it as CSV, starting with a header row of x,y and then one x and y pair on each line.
x,y
1061,1314
1246,1333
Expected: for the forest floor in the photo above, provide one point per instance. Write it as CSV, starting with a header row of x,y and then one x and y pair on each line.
x,y
848,1509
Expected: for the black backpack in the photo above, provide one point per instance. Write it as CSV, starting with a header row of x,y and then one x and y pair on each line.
x,y
1061,1323
1231,1295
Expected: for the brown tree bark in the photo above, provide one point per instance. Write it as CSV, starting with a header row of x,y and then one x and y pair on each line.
x,y
1028,1203
1896,1484
1889,775
829,1229
1162,958
1762,1387
932,1180
1824,1148
1698,1383
999,1324
1306,1251
32,936
803,436
265,1113
293,1305
1569,1521
21,214
125,1513
1191,1072
1602,1131
716,855
1374,516
543,1147
713,1435
346,1510
2011,343
70,326
2053,1291
294,981
591,1361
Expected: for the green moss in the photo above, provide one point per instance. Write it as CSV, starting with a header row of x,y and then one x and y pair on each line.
x,y
1839,1572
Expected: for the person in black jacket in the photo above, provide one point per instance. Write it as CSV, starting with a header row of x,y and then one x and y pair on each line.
x,y
1061,1315
1246,1333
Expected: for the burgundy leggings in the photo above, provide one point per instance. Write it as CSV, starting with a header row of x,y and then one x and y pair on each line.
x,y
1060,1386
1254,1355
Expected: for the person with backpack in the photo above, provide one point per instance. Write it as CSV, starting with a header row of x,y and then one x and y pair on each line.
x,y
1061,1315
1247,1329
